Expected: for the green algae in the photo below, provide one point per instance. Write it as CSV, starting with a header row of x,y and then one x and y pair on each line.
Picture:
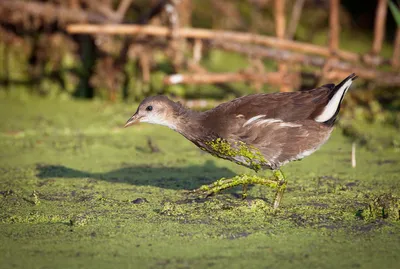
x,y
278,182
86,193
224,183
385,206
252,156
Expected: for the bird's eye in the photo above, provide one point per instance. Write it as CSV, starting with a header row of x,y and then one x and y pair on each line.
x,y
149,108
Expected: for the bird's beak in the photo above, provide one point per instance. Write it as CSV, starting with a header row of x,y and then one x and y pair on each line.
x,y
134,119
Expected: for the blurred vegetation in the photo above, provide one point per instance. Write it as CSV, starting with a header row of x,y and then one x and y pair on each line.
x,y
395,12
46,61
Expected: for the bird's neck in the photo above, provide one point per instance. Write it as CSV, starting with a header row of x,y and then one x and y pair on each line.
x,y
190,123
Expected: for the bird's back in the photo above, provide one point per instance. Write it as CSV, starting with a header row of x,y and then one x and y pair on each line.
x,y
287,106
283,126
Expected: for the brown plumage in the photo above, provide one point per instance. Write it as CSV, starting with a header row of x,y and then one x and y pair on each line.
x,y
281,126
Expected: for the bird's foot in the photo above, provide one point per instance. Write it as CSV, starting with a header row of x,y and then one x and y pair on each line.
x,y
244,192
277,182
281,182
226,183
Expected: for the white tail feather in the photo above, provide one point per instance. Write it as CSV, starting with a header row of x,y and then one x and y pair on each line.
x,y
331,108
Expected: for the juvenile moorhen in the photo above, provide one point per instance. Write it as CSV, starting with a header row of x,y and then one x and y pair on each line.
x,y
259,131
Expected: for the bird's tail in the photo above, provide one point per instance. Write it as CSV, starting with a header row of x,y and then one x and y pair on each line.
x,y
331,109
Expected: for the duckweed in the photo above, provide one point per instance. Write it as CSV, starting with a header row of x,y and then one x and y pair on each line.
x,y
251,155
69,175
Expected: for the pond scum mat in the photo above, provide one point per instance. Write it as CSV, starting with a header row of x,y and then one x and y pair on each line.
x,y
79,191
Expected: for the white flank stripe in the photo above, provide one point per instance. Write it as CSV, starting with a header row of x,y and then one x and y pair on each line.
x,y
333,104
289,124
253,119
268,121
259,122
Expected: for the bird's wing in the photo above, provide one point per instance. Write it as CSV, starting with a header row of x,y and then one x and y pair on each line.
x,y
279,141
274,123
321,104
287,107
290,106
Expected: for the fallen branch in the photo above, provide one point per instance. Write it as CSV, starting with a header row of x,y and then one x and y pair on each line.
x,y
52,12
273,78
221,37
340,67
226,36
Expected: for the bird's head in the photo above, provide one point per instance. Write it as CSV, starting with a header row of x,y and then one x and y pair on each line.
x,y
157,110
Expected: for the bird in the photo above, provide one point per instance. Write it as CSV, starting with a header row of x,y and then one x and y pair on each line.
x,y
261,131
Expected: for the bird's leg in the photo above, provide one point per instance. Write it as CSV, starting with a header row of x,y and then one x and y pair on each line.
x,y
226,183
281,187
278,182
244,193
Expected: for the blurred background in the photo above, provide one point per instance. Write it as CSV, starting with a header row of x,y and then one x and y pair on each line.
x,y
201,51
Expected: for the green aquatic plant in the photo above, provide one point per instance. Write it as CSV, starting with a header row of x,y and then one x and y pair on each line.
x,y
395,11
249,156
252,156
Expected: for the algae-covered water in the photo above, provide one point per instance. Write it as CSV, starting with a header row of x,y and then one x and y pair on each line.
x,y
78,191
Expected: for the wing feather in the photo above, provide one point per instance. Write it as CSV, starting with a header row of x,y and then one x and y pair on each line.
x,y
288,107
274,123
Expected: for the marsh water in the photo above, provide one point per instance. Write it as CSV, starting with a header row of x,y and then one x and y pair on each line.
x,y
79,191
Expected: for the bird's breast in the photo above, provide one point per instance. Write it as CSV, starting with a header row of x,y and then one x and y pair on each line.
x,y
236,151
